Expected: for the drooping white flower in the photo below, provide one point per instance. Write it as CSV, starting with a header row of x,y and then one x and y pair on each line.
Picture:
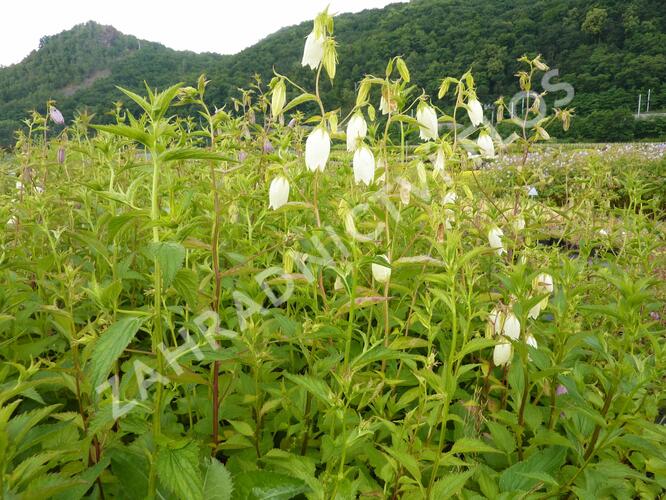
x,y
534,311
449,198
405,191
364,165
495,320
486,145
543,283
495,239
278,193
439,163
532,192
384,106
357,129
313,52
511,326
317,149
531,341
381,273
12,221
475,112
278,98
502,353
427,118
603,232
56,115
19,185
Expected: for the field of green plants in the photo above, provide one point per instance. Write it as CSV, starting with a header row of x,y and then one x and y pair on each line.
x,y
275,300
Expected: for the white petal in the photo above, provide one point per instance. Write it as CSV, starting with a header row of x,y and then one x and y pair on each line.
x,y
475,112
427,118
364,165
278,193
511,327
486,145
502,354
381,273
495,239
357,128
317,149
313,51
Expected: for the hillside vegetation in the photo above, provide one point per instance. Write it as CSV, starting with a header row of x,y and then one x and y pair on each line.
x,y
609,52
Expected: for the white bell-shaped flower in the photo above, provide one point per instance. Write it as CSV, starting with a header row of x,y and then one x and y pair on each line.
x,y
502,353
317,149
313,52
381,273
357,129
511,326
543,283
364,165
495,239
278,193
531,341
427,118
439,163
486,145
475,112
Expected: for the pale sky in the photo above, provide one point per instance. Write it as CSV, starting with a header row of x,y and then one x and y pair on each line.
x,y
222,26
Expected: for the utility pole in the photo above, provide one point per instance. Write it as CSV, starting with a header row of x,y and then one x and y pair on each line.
x,y
638,113
647,107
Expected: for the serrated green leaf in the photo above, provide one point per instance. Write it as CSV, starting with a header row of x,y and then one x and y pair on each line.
x,y
451,484
218,484
545,461
170,256
110,346
471,445
265,485
178,470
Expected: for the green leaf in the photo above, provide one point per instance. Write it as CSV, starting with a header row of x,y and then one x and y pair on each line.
x,y
242,427
317,387
471,445
178,470
135,134
299,100
217,481
87,478
170,256
502,438
110,346
451,484
265,485
476,344
186,284
546,461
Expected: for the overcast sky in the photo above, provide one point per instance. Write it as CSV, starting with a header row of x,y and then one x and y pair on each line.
x,y
223,26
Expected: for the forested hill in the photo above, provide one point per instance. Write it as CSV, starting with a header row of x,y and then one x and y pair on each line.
x,y
609,50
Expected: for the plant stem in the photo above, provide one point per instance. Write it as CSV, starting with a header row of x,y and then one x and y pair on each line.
x,y
157,321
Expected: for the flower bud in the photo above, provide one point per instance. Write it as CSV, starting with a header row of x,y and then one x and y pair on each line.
x,y
278,98
56,116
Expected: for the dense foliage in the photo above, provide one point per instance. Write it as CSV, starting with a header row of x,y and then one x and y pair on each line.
x,y
371,305
610,51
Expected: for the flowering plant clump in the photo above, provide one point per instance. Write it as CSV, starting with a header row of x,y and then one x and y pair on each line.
x,y
385,300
